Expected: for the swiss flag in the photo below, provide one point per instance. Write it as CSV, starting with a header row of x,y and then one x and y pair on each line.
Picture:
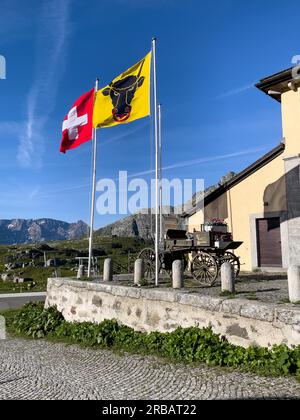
x,y
78,124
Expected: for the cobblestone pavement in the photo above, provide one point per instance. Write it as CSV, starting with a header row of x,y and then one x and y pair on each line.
x,y
43,370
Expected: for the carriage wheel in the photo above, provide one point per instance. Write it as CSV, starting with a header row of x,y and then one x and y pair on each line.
x,y
233,260
148,256
204,268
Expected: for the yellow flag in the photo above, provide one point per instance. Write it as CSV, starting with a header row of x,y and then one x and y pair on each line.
x,y
126,98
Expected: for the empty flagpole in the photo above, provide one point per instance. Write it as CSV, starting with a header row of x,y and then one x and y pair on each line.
x,y
160,177
156,162
93,192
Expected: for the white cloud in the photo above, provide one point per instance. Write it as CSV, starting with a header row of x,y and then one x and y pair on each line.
x,y
51,48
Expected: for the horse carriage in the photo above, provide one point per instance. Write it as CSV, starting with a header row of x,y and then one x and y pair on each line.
x,y
207,249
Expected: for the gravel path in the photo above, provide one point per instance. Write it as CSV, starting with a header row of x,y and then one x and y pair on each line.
x,y
42,370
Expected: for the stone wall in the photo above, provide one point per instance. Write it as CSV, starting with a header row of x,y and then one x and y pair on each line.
x,y
243,322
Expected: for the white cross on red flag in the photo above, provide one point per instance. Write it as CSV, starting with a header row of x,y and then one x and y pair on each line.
x,y
77,126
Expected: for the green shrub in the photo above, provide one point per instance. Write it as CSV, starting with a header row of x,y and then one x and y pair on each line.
x,y
182,345
36,322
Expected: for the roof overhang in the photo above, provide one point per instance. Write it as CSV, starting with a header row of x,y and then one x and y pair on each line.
x,y
279,83
254,167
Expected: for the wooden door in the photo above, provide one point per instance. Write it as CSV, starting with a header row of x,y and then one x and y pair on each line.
x,y
269,242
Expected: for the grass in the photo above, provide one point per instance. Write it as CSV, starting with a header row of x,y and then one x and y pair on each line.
x,y
228,294
251,296
9,316
118,249
39,276
288,301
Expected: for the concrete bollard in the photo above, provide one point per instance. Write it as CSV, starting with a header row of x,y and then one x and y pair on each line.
x,y
139,270
177,275
80,272
227,278
107,270
294,283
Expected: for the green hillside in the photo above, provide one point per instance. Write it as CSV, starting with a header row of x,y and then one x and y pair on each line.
x,y
28,261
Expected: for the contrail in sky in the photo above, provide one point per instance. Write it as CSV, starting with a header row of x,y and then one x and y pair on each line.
x,y
235,91
51,48
201,161
168,167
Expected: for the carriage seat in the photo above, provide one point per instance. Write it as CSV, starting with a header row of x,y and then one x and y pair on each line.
x,y
176,234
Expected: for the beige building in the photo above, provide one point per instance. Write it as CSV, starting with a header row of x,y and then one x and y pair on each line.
x,y
261,204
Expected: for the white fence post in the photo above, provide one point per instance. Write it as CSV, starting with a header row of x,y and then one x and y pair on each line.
x,y
107,270
177,275
139,271
294,283
227,278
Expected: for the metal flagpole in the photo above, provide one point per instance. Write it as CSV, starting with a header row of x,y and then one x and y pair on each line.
x,y
156,162
160,177
93,192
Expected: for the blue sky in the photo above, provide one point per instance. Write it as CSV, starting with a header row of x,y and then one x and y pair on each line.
x,y
209,56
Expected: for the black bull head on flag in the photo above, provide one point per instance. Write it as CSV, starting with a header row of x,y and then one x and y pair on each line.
x,y
122,93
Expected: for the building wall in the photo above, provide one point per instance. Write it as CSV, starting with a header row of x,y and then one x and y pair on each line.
x,y
247,200
218,208
291,131
253,198
272,191
290,110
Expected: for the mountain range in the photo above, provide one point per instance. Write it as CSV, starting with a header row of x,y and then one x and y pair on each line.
x,y
17,231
